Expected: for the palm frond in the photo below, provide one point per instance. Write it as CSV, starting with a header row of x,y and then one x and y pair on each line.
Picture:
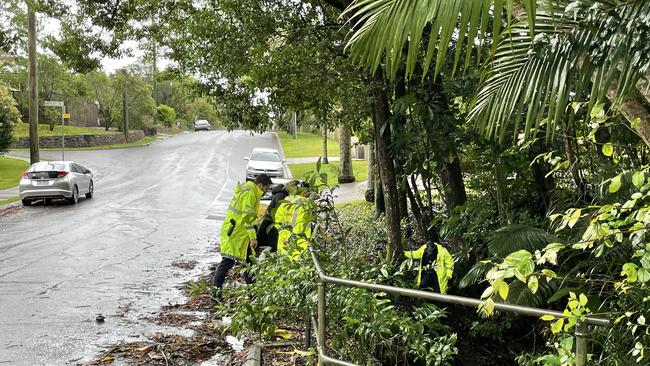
x,y
476,274
581,50
520,294
511,238
382,29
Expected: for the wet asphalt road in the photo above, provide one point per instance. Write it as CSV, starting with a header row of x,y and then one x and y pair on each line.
x,y
60,265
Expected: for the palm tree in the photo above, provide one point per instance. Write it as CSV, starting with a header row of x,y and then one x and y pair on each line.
x,y
551,54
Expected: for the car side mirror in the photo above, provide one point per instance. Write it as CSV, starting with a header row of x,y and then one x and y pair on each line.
x,y
284,161
246,159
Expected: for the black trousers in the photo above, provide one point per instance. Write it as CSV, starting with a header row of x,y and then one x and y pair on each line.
x,y
225,265
267,236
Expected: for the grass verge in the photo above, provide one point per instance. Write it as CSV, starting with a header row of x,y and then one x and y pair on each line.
x,y
10,170
22,130
353,205
307,145
359,168
9,200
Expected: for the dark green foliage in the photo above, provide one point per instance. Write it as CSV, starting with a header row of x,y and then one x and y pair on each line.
x,y
510,238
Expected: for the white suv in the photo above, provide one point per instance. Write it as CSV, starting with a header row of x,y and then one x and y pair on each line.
x,y
267,161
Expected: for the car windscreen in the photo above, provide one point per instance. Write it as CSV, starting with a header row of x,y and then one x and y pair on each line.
x,y
47,167
265,156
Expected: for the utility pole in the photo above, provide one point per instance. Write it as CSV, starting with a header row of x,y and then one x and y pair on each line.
x,y
294,125
155,84
125,111
33,86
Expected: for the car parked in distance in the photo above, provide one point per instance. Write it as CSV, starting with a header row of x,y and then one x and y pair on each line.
x,y
267,161
202,125
49,180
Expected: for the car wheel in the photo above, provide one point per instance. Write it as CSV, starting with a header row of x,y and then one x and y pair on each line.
x,y
26,202
91,190
75,196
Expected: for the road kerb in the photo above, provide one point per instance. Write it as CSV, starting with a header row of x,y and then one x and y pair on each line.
x,y
276,138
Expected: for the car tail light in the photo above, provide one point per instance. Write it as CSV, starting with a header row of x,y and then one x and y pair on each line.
x,y
61,174
25,175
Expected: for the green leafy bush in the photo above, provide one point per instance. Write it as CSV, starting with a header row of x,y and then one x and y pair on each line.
x,y
362,325
166,115
9,116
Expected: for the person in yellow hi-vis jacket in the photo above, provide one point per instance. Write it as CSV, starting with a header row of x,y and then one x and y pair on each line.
x,y
436,264
294,219
238,235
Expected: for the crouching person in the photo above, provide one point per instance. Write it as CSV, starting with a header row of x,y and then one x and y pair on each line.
x,y
267,233
294,220
436,264
238,236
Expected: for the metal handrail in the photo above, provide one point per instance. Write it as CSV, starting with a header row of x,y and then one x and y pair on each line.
x,y
581,330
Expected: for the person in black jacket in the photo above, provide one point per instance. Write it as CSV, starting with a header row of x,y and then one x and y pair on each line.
x,y
267,234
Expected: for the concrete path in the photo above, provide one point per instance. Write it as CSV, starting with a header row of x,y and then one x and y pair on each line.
x,y
350,192
8,193
308,160
346,192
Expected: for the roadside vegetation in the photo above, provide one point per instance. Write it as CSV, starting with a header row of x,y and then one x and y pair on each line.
x,y
10,171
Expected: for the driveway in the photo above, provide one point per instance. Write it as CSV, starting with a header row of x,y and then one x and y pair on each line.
x,y
61,265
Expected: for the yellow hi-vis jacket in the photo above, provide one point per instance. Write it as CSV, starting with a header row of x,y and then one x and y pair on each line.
x,y
444,265
243,210
293,218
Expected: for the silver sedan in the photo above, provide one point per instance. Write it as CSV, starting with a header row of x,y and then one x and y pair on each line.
x,y
56,179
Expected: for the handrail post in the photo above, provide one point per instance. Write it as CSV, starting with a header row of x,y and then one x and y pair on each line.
x,y
308,329
321,320
582,331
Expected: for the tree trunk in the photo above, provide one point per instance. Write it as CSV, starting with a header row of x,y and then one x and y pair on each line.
x,y
370,185
125,113
380,204
416,205
581,186
452,181
346,175
402,186
631,109
324,159
386,168
500,183
155,84
543,185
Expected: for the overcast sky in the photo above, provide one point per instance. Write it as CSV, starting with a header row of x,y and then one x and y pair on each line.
x,y
109,65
